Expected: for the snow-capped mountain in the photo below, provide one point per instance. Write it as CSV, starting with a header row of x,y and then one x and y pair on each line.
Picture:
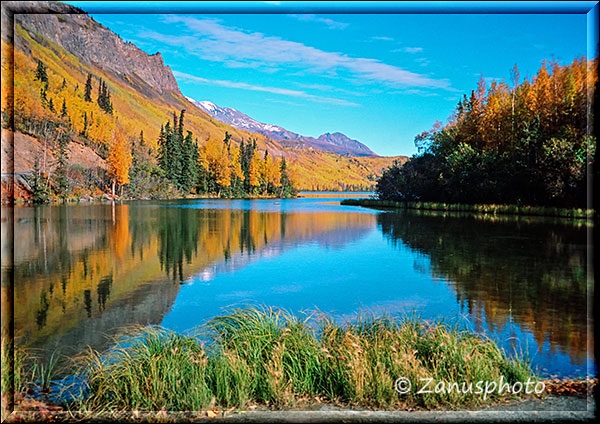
x,y
331,142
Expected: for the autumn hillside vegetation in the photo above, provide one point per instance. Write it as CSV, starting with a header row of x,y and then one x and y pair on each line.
x,y
61,98
529,142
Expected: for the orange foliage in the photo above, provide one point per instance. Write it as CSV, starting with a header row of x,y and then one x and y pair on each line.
x,y
119,157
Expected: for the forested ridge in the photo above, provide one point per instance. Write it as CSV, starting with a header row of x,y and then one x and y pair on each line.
x,y
526,142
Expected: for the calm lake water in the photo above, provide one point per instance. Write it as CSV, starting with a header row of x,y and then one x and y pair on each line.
x,y
82,272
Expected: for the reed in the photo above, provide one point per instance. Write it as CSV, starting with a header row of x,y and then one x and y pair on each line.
x,y
264,356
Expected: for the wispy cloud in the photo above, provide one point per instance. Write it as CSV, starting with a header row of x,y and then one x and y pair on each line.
x,y
382,38
413,49
417,92
329,88
216,42
330,23
273,90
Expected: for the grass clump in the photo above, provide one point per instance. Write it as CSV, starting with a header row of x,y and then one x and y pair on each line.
x,y
12,375
272,358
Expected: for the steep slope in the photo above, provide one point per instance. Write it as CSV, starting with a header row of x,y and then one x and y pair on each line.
x,y
336,142
144,94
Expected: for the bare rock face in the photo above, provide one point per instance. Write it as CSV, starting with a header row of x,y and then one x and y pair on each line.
x,y
95,44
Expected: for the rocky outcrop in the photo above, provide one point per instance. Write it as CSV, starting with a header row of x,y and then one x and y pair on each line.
x,y
96,45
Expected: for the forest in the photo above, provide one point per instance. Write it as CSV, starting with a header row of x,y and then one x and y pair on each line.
x,y
527,142
177,167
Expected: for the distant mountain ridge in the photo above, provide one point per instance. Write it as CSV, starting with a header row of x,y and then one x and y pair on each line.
x,y
331,142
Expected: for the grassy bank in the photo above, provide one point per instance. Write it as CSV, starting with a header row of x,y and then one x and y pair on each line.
x,y
271,358
481,209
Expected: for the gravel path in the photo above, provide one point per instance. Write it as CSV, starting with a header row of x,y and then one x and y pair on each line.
x,y
551,409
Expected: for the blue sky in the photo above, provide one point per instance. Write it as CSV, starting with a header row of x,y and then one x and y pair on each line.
x,y
378,78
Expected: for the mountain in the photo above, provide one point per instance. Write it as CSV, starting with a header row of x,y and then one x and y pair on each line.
x,y
336,142
144,95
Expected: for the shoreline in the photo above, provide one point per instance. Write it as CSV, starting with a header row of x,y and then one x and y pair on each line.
x,y
483,209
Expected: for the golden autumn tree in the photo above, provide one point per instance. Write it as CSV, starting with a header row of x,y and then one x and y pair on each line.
x,y
119,158
236,172
254,172
215,159
272,173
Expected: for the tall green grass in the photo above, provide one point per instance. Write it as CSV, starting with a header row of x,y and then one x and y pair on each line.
x,y
269,357
481,209
13,375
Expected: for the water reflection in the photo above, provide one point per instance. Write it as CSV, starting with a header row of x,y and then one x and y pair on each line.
x,y
81,272
532,274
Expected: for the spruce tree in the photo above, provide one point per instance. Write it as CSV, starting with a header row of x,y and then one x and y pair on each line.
x,y
162,149
83,132
190,163
61,178
88,89
63,111
39,186
287,189
43,95
41,73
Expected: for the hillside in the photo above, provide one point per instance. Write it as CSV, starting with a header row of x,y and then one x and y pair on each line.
x,y
144,96
336,142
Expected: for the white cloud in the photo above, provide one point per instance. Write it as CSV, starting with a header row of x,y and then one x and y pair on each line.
x,y
382,38
215,42
273,90
413,49
330,23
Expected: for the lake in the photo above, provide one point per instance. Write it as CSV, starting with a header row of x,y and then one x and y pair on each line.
x,y
82,272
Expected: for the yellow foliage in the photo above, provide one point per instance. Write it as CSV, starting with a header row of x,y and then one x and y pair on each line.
x,y
119,157
254,171
139,111
215,160
235,165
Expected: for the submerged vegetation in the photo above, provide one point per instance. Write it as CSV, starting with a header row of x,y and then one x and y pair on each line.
x,y
269,357
527,143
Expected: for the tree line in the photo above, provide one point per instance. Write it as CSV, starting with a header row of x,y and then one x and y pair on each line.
x,y
178,167
526,142
218,168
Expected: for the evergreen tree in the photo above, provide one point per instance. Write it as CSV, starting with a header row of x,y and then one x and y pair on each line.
x,y
104,98
63,111
43,95
287,188
61,179
83,132
162,148
39,186
50,105
41,72
190,159
88,89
